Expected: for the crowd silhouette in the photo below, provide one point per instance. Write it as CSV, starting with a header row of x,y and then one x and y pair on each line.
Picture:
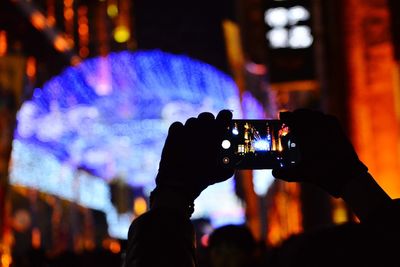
x,y
164,236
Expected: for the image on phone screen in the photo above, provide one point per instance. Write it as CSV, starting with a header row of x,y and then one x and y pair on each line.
x,y
259,144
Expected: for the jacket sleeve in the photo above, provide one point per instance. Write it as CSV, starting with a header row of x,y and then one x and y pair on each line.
x,y
386,222
161,237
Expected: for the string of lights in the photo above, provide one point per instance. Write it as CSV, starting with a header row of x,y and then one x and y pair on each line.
x,y
110,116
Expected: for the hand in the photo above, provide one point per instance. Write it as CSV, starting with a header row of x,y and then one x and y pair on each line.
x,y
190,158
327,158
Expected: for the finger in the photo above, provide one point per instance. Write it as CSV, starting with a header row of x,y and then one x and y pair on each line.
x,y
223,120
224,117
286,117
175,127
173,145
308,116
190,122
175,133
206,120
206,116
290,175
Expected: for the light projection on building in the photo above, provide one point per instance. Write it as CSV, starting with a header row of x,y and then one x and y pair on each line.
x,y
107,119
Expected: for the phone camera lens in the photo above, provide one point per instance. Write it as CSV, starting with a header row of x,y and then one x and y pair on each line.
x,y
225,160
226,144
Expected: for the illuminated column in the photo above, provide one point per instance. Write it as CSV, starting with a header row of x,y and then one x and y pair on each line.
x,y
11,84
284,216
372,97
69,21
83,31
236,62
122,31
279,214
102,38
51,12
3,43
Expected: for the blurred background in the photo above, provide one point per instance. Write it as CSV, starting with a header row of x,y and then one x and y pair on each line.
x,y
88,89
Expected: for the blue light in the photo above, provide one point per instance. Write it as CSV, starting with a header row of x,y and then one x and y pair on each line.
x,y
235,131
262,145
134,96
110,115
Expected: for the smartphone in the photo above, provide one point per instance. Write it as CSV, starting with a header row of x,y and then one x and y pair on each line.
x,y
259,144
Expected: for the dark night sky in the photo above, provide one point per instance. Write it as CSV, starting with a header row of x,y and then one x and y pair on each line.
x,y
192,28
184,27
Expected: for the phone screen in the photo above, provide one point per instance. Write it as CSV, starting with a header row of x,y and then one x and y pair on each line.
x,y
259,144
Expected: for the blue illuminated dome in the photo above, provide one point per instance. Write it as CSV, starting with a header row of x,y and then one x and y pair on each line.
x,y
109,116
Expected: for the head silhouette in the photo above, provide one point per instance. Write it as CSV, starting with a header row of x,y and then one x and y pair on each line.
x,y
231,246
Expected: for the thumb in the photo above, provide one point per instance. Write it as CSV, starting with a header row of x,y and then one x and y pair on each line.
x,y
288,174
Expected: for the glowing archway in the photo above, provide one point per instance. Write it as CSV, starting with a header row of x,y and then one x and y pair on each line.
x,y
109,116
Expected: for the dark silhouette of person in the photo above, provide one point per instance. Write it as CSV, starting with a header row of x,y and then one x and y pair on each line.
x,y
348,244
190,162
232,246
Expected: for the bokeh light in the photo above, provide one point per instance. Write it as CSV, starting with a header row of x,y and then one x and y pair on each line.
x,y
107,118
121,34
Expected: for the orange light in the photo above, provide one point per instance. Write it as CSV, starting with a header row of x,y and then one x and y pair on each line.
x,y
68,2
75,60
51,20
51,17
84,52
83,29
279,145
339,213
140,206
61,44
284,131
31,67
372,91
233,43
70,41
115,247
89,244
38,20
284,213
82,18
69,14
36,238
82,10
3,43
6,260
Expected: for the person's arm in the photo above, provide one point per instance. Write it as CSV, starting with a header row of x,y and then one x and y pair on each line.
x,y
329,160
161,237
373,206
365,196
164,236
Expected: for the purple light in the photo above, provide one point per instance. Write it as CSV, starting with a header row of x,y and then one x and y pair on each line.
x,y
110,115
82,115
